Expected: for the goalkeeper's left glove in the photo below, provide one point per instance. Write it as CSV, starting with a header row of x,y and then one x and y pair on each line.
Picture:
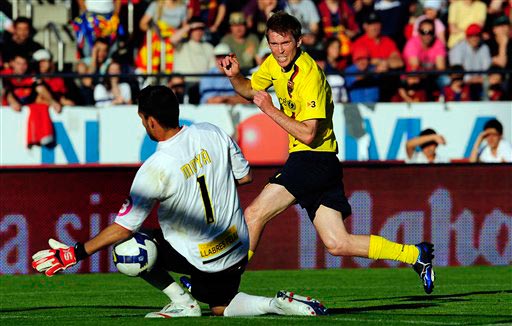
x,y
58,258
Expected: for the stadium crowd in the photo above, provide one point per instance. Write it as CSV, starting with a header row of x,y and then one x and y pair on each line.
x,y
369,49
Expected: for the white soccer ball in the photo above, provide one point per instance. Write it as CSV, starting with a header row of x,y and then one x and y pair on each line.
x,y
135,255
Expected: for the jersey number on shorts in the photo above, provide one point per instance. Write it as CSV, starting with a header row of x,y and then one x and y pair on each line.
x,y
208,209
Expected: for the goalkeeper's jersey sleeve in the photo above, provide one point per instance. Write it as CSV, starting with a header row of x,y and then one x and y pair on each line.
x,y
192,176
304,94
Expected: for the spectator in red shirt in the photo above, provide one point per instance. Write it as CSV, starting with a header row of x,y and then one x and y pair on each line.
x,y
412,90
56,85
384,54
337,18
22,91
383,51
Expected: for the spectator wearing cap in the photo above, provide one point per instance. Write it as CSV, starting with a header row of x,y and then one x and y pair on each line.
x,y
218,89
490,147
383,51
56,85
243,44
500,44
423,149
194,56
461,14
394,15
362,88
431,11
20,42
472,54
384,54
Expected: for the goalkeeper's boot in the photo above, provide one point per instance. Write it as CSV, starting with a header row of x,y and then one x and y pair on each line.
x,y
175,309
289,303
423,266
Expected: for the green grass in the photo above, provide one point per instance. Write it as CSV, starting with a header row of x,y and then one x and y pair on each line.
x,y
463,296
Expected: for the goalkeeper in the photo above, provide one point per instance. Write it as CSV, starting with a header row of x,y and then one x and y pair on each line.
x,y
193,176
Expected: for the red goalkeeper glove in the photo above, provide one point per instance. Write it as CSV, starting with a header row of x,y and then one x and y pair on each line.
x,y
58,258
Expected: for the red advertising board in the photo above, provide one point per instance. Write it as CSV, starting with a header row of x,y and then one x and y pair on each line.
x,y
466,210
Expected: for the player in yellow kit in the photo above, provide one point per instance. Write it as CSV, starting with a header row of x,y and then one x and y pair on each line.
x,y
312,175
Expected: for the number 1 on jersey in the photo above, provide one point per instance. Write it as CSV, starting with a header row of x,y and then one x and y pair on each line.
x,y
208,209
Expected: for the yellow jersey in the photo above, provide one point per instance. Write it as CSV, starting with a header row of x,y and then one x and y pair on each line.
x,y
303,94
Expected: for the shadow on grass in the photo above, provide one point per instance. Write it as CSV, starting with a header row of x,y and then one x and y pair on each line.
x,y
148,308
334,311
444,297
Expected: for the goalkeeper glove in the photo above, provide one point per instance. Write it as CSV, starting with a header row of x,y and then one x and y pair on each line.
x,y
59,257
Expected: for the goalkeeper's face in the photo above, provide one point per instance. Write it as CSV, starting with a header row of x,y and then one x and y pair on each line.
x,y
147,123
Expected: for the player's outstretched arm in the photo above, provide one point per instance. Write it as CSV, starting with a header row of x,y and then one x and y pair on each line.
x,y
61,256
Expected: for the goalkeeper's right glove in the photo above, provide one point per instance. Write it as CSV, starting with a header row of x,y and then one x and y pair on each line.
x,y
58,258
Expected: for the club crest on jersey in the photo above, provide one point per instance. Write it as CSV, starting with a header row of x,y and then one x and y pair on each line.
x,y
288,103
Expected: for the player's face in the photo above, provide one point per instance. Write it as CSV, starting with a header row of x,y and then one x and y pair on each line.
x,y
145,123
283,47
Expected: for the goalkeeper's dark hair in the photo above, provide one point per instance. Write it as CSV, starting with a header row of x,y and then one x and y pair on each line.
x,y
161,103
282,23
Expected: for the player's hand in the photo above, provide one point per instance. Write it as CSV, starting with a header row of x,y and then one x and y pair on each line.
x,y
263,100
229,65
50,261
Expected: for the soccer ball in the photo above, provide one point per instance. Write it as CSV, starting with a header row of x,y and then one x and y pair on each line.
x,y
135,255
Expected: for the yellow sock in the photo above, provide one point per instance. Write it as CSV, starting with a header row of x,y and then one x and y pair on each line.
x,y
381,248
250,254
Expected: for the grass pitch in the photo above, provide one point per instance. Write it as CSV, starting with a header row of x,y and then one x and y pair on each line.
x,y
462,296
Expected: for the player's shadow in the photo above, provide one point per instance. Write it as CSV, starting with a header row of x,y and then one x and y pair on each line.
x,y
443,297
335,311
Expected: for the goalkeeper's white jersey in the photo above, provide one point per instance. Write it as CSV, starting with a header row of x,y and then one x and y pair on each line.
x,y
193,175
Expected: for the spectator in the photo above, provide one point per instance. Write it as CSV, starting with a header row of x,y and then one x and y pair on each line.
x,y
337,19
362,9
425,52
500,45
212,12
496,90
428,140
412,90
334,63
394,15
20,91
472,55
495,149
229,6
20,42
456,90
98,19
431,11
194,56
384,54
170,13
462,14
243,44
218,90
177,84
307,14
111,91
362,88
258,12
99,60
56,85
